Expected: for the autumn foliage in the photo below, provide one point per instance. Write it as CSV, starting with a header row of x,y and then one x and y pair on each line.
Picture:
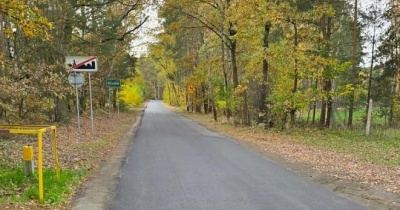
x,y
277,63
35,38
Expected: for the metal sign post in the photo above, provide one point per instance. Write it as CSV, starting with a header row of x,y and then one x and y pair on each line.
x,y
113,83
91,101
84,64
76,80
117,103
77,106
109,102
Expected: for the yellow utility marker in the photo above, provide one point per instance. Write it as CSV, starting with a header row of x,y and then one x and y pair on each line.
x,y
27,155
37,130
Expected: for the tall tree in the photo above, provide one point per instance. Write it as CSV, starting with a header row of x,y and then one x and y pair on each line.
x,y
355,64
34,56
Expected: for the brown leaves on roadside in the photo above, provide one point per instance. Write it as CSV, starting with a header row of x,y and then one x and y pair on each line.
x,y
333,163
76,150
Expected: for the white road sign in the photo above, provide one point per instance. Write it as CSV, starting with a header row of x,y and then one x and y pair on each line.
x,y
81,63
75,79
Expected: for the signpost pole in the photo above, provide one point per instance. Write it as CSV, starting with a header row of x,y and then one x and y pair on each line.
x,y
77,104
109,102
82,64
91,101
117,103
113,83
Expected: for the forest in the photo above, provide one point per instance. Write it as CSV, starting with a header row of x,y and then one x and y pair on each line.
x,y
282,63
297,79
279,64
37,36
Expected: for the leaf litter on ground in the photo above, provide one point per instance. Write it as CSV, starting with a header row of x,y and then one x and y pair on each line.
x,y
76,150
344,166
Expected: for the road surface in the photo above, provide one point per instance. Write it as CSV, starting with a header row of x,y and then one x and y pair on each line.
x,y
176,164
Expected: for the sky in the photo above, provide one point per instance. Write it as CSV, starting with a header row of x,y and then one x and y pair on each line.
x,y
367,48
146,34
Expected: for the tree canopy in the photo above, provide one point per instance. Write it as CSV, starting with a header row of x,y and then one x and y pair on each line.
x,y
268,62
35,38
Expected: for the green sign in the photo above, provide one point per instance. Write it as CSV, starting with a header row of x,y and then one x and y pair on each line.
x,y
116,83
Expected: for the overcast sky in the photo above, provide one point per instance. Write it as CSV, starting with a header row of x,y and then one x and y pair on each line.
x,y
146,34
364,5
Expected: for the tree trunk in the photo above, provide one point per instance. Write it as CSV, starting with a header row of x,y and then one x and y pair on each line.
x,y
354,70
329,114
197,104
294,90
176,96
314,104
246,117
114,98
372,66
323,113
326,109
228,111
262,103
57,109
212,99
329,81
351,109
169,95
326,29
205,100
235,77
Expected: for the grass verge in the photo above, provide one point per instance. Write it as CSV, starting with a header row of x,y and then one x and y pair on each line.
x,y
15,187
80,155
372,160
381,147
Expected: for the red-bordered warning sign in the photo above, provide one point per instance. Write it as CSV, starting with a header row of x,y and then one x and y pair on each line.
x,y
191,89
81,63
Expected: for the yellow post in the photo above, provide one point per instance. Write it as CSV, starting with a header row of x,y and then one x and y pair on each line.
x,y
56,164
27,155
27,152
38,130
40,165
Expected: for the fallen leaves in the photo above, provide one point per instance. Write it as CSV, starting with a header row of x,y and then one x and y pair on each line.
x,y
343,166
76,150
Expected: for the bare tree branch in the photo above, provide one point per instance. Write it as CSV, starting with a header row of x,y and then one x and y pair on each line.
x,y
215,29
122,37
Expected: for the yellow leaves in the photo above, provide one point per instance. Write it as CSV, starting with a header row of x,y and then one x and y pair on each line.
x,y
221,104
167,39
324,10
26,19
240,89
349,87
131,90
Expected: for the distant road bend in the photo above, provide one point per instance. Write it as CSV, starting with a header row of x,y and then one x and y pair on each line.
x,y
176,163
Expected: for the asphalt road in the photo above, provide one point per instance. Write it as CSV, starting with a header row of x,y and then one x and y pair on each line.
x,y
176,164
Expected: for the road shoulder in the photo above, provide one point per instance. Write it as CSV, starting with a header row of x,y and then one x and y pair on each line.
x,y
362,193
96,193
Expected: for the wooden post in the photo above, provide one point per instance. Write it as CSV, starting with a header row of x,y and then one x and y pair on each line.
x,y
368,128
